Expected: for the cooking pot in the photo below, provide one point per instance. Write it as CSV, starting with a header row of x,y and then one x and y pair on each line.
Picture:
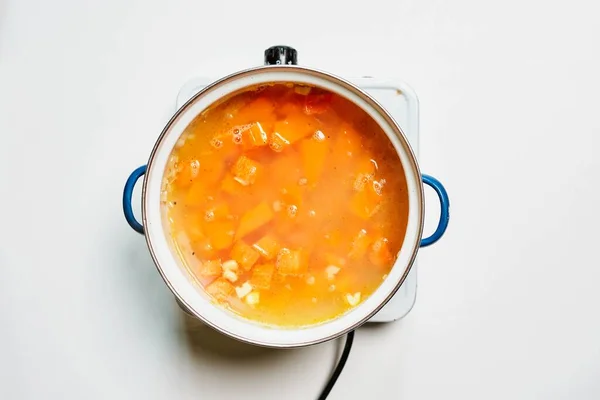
x,y
280,67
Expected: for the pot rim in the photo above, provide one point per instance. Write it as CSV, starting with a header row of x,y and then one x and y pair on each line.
x,y
391,123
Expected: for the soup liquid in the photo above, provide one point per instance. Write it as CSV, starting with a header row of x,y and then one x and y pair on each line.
x,y
287,203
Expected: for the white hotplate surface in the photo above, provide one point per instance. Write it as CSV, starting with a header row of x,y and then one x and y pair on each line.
x,y
402,103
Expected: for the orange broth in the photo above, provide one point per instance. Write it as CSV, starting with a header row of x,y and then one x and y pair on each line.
x,y
287,203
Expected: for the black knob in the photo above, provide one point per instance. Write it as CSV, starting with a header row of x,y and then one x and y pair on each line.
x,y
281,55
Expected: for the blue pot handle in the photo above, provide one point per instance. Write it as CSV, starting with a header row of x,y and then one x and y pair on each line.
x,y
445,210
127,194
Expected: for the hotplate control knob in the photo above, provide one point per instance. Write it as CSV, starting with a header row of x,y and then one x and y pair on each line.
x,y
281,55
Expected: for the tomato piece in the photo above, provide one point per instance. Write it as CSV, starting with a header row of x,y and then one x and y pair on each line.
x,y
317,103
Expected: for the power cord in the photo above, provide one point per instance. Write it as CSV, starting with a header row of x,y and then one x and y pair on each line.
x,y
339,367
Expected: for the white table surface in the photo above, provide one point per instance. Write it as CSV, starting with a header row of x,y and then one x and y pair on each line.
x,y
508,302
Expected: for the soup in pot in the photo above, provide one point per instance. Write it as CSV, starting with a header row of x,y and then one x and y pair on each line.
x,y
287,203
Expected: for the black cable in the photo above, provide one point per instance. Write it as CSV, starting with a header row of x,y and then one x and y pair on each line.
x,y
339,367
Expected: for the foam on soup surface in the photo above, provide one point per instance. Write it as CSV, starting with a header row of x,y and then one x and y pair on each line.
x,y
287,203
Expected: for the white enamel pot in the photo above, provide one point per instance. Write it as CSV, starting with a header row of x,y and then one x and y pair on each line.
x,y
176,276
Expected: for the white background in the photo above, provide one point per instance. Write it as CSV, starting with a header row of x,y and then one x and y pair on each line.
x,y
508,302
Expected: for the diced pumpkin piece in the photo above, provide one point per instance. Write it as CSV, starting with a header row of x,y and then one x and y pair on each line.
x,y
254,136
244,254
220,289
211,168
220,233
295,127
380,253
291,262
267,246
230,186
313,153
292,195
262,275
365,203
360,245
365,173
286,170
254,219
348,143
260,109
216,211
197,193
277,142
245,170
187,171
210,268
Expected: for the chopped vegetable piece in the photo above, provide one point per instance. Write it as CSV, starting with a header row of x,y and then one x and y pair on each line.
x,y
267,246
317,103
217,211
221,234
295,127
261,109
365,203
187,172
380,254
348,144
210,268
292,194
277,142
262,275
313,154
353,299
220,289
254,219
245,170
331,271
231,265
230,186
244,255
254,136
253,298
243,290
197,193
230,275
302,90
360,245
291,262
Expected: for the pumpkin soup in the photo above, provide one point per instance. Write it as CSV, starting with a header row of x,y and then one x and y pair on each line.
x,y
287,203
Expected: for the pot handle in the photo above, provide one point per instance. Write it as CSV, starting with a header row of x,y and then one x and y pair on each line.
x,y
445,210
127,194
